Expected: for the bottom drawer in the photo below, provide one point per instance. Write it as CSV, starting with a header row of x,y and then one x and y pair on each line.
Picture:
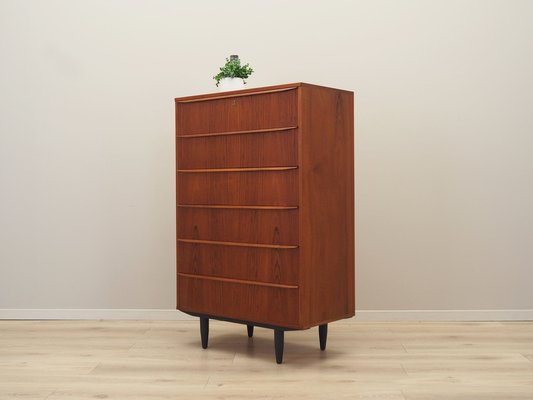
x,y
271,305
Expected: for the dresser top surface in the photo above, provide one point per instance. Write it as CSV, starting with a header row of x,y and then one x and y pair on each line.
x,y
249,91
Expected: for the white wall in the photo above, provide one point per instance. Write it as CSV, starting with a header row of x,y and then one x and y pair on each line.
x,y
444,128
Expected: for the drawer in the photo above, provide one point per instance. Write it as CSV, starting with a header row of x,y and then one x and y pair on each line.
x,y
264,187
247,263
266,149
243,301
276,109
265,226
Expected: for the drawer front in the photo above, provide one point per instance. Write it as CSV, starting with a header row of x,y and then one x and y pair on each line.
x,y
247,263
269,188
266,149
249,302
250,112
239,225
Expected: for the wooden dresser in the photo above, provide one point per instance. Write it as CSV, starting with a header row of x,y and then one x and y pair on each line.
x,y
265,208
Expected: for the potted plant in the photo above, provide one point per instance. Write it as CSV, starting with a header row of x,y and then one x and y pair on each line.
x,y
232,75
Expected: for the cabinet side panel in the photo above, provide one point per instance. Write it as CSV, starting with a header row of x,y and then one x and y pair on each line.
x,y
178,128
327,234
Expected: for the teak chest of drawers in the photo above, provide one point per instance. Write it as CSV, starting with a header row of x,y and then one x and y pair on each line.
x,y
265,208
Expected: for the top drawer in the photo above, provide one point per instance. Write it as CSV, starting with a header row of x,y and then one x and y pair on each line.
x,y
277,109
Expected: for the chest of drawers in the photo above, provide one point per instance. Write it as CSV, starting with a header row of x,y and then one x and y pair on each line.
x,y
265,208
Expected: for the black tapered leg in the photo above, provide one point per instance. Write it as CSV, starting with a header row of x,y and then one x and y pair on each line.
x,y
278,344
204,331
250,330
323,335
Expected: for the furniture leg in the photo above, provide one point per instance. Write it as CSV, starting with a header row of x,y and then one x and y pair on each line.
x,y
204,331
278,344
323,335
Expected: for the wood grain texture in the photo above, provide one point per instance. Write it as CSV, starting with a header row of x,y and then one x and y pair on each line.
x,y
237,93
259,111
233,133
237,281
239,244
239,188
239,225
260,264
287,194
238,169
260,304
267,149
162,360
241,207
326,205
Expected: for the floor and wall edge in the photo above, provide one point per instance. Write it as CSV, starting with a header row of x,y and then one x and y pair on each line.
x,y
173,315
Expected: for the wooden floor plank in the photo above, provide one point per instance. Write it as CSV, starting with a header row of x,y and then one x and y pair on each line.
x,y
55,360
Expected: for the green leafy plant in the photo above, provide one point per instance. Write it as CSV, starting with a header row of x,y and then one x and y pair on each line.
x,y
233,69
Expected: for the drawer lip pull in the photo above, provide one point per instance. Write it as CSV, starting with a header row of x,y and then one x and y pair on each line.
x,y
237,207
229,95
240,281
240,244
230,133
251,169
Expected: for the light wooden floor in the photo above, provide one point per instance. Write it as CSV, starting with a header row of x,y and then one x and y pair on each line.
x,y
164,360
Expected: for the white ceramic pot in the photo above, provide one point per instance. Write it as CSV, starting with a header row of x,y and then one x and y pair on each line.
x,y
227,84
